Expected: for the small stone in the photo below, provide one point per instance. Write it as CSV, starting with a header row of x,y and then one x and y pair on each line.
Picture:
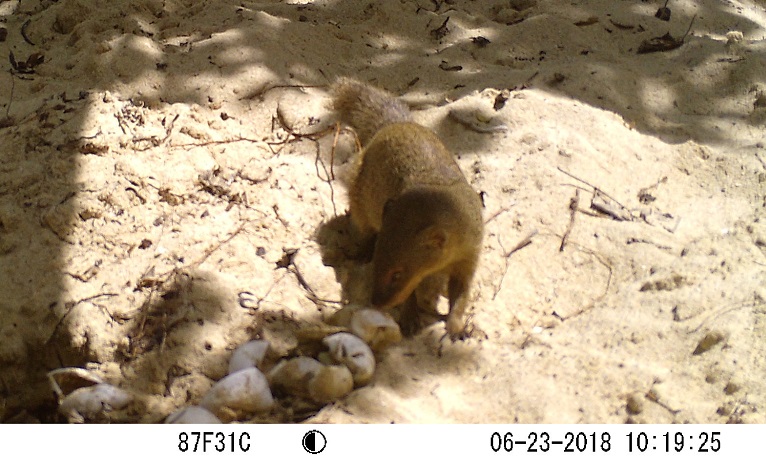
x,y
753,418
708,341
731,388
724,410
635,403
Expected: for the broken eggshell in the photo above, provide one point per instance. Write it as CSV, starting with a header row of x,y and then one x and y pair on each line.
x,y
331,383
64,381
307,378
248,355
238,394
192,415
93,403
351,351
376,328
293,375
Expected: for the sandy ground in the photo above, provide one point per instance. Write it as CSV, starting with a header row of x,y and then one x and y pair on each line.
x,y
156,164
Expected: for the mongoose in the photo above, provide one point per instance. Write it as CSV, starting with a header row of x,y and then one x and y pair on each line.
x,y
410,196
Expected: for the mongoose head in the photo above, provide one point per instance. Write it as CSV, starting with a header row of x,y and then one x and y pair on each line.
x,y
413,243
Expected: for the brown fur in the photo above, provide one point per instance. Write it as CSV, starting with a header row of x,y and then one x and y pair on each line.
x,y
410,194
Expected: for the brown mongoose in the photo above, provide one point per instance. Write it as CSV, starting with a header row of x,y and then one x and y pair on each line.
x,y
410,196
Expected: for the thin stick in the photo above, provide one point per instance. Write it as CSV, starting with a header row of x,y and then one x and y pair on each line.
x,y
328,175
24,32
590,185
10,99
72,305
332,152
689,29
523,243
593,303
573,205
288,262
499,213
599,191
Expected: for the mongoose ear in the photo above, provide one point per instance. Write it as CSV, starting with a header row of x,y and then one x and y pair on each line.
x,y
435,237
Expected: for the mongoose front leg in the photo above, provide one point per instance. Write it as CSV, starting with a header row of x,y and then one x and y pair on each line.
x,y
409,318
420,309
458,301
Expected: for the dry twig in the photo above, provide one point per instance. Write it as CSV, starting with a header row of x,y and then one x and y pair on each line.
x,y
507,255
288,262
573,205
602,202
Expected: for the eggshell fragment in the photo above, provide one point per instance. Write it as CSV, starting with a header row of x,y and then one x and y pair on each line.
x,y
64,381
92,403
376,328
248,355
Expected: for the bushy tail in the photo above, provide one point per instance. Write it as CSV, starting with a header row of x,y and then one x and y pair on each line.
x,y
366,108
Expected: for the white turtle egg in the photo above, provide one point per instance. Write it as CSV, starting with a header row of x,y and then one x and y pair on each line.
x,y
239,394
292,375
330,383
192,415
307,378
351,351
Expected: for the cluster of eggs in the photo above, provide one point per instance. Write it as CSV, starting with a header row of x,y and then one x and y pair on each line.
x,y
347,363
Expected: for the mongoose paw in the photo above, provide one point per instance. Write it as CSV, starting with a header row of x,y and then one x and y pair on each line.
x,y
457,328
462,335
414,319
